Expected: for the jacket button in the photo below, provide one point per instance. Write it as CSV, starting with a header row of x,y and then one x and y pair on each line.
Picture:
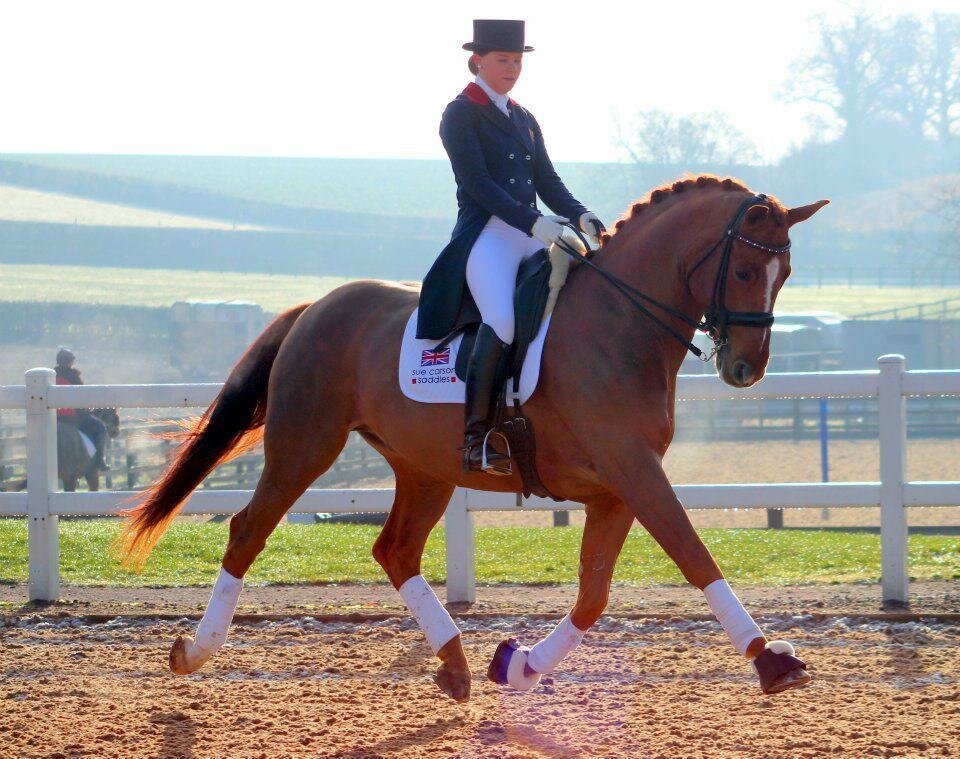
x,y
527,157
512,180
529,181
510,156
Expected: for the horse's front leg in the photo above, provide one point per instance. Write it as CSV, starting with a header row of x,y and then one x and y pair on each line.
x,y
643,486
608,522
419,502
92,475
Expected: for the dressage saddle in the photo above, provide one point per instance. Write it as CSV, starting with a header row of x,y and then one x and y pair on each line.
x,y
539,280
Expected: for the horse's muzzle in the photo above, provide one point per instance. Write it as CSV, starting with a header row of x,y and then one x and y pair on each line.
x,y
736,372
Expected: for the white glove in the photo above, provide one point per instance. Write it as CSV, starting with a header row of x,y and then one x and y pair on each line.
x,y
588,228
547,229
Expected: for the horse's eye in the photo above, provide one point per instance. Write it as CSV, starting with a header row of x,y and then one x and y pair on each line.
x,y
744,275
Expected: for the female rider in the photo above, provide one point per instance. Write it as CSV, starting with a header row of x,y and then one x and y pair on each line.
x,y
500,166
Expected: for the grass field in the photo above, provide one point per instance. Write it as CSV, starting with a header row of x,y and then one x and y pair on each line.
x,y
161,287
859,299
405,187
18,204
191,553
156,287
421,188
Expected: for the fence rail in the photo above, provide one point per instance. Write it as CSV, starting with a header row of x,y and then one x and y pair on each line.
x,y
877,276
891,385
942,309
141,453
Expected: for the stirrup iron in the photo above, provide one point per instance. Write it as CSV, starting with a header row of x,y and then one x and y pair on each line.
x,y
485,465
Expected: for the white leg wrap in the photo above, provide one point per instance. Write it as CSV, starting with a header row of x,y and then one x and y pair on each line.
x,y
730,612
549,652
212,630
433,618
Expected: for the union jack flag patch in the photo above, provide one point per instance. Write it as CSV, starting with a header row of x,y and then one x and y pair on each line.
x,y
434,358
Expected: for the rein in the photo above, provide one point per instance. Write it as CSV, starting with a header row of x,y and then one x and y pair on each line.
x,y
717,318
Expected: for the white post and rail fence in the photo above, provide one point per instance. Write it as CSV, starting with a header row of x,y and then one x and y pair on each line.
x,y
892,384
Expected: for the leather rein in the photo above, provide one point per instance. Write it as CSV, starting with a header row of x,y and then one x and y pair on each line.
x,y
717,319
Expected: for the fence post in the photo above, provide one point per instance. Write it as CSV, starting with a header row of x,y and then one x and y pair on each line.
x,y
43,540
461,550
824,452
893,447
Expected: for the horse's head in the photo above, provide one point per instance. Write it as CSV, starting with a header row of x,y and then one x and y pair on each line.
x,y
739,279
110,419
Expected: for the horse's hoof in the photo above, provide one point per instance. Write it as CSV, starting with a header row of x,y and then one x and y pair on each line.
x,y
454,684
186,656
795,678
779,669
509,666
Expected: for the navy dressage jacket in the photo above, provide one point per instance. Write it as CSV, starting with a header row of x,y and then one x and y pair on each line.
x,y
500,165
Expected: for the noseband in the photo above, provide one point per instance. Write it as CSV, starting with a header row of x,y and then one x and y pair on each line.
x,y
717,319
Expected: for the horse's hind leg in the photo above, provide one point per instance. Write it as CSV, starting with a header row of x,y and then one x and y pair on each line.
x,y
607,525
92,476
302,439
419,503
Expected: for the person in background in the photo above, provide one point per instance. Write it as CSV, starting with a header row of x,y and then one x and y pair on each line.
x,y
81,418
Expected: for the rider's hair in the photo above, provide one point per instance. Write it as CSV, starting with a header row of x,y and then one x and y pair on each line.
x,y
471,64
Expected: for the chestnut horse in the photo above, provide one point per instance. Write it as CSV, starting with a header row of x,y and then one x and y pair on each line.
x,y
604,414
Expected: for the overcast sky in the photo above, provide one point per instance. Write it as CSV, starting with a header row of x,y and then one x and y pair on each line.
x,y
370,79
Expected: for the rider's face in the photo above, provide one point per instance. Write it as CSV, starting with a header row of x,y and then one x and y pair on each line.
x,y
500,69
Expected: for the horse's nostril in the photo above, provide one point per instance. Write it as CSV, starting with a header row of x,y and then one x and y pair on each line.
x,y
742,372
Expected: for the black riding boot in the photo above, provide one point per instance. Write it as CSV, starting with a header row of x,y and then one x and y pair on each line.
x,y
96,430
486,372
100,462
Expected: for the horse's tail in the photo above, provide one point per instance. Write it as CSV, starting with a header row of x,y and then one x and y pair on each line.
x,y
231,425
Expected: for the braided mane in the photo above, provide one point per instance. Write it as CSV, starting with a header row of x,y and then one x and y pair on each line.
x,y
688,182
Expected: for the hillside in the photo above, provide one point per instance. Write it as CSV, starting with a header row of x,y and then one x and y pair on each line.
x,y
391,187
425,189
421,189
35,206
357,217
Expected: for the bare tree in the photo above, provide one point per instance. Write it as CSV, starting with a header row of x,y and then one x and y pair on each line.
x,y
907,96
922,68
845,74
944,75
903,70
931,220
691,140
948,213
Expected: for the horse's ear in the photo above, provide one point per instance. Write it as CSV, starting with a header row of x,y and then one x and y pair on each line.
x,y
756,214
802,213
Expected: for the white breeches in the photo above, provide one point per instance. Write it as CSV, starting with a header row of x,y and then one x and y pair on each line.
x,y
492,272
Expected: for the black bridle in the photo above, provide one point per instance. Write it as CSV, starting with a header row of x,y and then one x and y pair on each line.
x,y
717,319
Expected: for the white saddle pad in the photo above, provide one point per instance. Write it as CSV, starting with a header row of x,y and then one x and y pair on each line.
x,y
429,376
88,444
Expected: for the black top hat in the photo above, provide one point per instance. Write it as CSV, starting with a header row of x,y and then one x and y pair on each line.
x,y
489,34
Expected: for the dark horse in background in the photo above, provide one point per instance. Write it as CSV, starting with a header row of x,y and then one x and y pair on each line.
x,y
73,461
